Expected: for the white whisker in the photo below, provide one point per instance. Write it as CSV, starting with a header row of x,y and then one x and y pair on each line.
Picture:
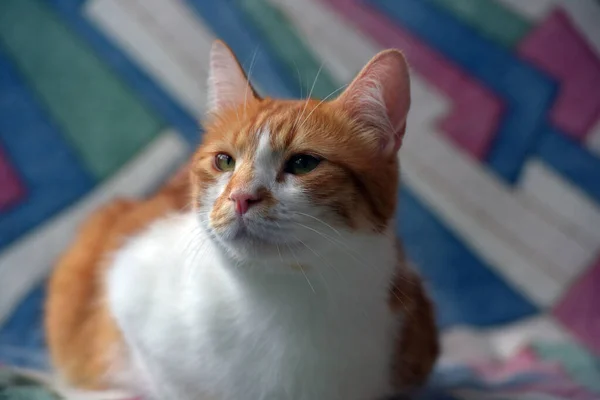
x,y
318,256
319,220
308,97
301,269
279,251
321,102
315,81
332,239
299,77
249,77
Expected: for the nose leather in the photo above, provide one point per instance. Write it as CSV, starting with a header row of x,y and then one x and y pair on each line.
x,y
244,200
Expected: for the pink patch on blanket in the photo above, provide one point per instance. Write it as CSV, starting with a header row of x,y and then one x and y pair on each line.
x,y
525,361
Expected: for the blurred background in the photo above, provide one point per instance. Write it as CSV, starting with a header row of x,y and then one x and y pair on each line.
x,y
501,163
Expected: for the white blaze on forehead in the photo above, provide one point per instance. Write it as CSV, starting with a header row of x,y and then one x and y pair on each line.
x,y
266,162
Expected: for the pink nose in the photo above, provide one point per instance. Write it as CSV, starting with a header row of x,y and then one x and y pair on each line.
x,y
244,200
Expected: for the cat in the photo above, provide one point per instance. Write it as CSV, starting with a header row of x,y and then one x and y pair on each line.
x,y
267,269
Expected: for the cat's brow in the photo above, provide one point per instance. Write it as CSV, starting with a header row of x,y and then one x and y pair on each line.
x,y
283,129
265,160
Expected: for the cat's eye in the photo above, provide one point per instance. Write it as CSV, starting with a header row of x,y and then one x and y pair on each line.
x,y
301,164
224,162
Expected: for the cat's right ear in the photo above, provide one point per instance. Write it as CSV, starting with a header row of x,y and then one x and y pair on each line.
x,y
228,86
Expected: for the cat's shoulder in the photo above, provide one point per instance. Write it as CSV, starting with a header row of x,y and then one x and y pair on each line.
x,y
162,241
147,258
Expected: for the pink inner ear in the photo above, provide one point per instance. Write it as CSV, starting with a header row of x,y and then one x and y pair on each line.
x,y
380,96
227,84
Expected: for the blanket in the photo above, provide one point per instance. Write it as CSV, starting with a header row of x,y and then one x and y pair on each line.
x,y
500,206
544,371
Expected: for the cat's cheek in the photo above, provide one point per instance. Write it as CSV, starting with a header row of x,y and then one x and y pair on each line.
x,y
332,194
203,179
212,207
292,197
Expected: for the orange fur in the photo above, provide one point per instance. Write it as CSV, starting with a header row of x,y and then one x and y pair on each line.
x,y
82,336
354,180
418,347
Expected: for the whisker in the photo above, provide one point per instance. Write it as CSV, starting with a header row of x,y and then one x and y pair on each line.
x,y
308,97
332,239
319,220
306,277
249,77
394,286
192,270
318,256
301,269
279,251
194,234
321,102
348,251
335,242
324,260
299,77
315,81
343,245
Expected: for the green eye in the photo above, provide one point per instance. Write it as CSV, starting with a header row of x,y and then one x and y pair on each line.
x,y
224,162
301,164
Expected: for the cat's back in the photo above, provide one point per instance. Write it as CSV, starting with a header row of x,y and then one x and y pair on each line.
x,y
82,336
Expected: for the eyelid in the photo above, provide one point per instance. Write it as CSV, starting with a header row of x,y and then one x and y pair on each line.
x,y
306,153
226,152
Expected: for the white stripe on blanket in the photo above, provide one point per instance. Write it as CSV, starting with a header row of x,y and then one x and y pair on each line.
x,y
27,262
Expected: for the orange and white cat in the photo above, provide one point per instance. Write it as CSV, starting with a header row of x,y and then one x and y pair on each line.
x,y
283,281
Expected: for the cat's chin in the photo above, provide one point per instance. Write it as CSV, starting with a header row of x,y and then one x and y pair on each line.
x,y
244,245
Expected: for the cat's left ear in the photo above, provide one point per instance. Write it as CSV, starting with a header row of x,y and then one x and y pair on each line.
x,y
379,98
228,85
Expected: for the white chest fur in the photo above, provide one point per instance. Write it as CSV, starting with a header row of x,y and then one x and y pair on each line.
x,y
198,326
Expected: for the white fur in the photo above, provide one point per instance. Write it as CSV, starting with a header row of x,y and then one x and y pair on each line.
x,y
266,162
298,310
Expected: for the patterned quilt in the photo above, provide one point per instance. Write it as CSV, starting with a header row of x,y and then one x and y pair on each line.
x,y
540,372
500,210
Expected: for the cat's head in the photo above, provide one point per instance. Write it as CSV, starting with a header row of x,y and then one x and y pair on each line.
x,y
271,174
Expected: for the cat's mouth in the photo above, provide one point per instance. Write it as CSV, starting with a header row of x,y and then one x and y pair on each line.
x,y
245,233
242,233
249,236
239,230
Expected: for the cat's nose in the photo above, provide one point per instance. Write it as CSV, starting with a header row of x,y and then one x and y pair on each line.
x,y
244,200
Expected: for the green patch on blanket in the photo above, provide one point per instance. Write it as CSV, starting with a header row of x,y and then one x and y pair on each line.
x,y
15,385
